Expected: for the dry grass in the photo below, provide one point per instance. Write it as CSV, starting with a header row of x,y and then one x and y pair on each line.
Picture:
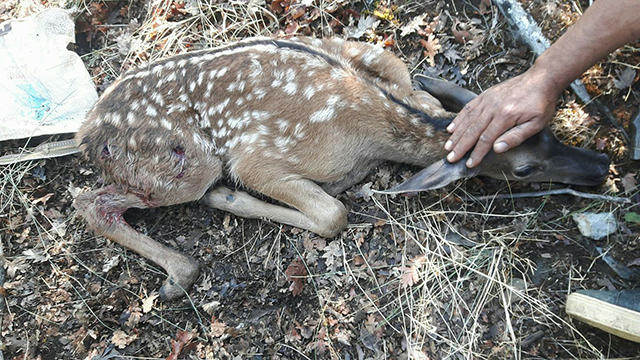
x,y
463,287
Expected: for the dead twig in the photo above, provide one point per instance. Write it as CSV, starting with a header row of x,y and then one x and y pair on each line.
x,y
565,191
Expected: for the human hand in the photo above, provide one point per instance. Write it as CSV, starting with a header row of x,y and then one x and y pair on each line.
x,y
502,117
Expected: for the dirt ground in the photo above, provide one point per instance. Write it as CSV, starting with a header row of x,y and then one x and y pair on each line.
x,y
436,276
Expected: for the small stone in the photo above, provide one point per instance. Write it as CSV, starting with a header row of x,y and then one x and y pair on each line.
x,y
596,225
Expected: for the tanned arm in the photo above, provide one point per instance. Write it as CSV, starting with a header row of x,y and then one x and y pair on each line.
x,y
507,114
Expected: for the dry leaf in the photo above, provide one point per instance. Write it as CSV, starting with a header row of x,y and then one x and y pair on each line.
x,y
292,28
629,183
314,243
297,274
461,32
365,24
182,339
601,144
333,254
625,78
122,340
147,304
217,327
432,47
410,276
413,25
134,317
635,262
485,6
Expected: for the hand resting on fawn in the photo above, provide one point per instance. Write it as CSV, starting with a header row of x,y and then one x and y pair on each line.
x,y
297,120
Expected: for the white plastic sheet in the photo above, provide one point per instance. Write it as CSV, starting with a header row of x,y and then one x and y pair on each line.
x,y
44,88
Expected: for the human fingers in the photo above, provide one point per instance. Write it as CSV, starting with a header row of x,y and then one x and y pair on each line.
x,y
463,119
518,134
486,140
467,134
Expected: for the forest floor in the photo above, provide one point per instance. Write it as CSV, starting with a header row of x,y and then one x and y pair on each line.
x,y
436,276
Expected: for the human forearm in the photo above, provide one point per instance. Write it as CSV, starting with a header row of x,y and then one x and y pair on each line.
x,y
508,113
605,26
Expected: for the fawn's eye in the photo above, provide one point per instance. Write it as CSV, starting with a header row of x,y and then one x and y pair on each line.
x,y
524,171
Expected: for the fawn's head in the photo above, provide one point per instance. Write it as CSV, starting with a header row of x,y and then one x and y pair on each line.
x,y
541,158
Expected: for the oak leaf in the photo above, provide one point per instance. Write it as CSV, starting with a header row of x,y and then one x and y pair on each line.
x,y
431,48
183,338
297,274
121,339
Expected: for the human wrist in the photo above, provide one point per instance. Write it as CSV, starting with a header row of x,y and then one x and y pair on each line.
x,y
547,77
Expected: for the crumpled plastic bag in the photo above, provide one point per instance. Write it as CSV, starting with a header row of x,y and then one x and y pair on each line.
x,y
44,88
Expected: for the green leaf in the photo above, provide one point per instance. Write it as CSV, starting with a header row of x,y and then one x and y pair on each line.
x,y
632,217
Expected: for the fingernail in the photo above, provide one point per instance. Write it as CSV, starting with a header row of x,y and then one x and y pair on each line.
x,y
470,162
451,156
448,145
500,147
451,127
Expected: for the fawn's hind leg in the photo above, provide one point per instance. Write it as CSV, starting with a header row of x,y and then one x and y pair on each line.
x,y
316,210
103,209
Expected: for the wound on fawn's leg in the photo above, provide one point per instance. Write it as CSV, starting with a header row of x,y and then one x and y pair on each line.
x,y
179,152
105,151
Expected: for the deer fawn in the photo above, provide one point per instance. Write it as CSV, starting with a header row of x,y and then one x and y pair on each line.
x,y
297,120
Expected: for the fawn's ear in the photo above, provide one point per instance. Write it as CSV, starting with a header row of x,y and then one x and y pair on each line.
x,y
435,176
452,97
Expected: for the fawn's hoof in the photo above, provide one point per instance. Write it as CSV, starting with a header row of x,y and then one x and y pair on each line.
x,y
180,279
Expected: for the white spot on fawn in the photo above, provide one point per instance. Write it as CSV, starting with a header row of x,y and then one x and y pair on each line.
x,y
219,108
298,133
282,124
157,98
371,55
291,88
165,123
322,115
282,143
260,115
156,69
249,138
259,93
151,111
205,145
291,74
263,129
333,100
221,72
256,69
309,91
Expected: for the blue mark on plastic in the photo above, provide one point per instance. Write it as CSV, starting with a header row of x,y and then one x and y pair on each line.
x,y
35,105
